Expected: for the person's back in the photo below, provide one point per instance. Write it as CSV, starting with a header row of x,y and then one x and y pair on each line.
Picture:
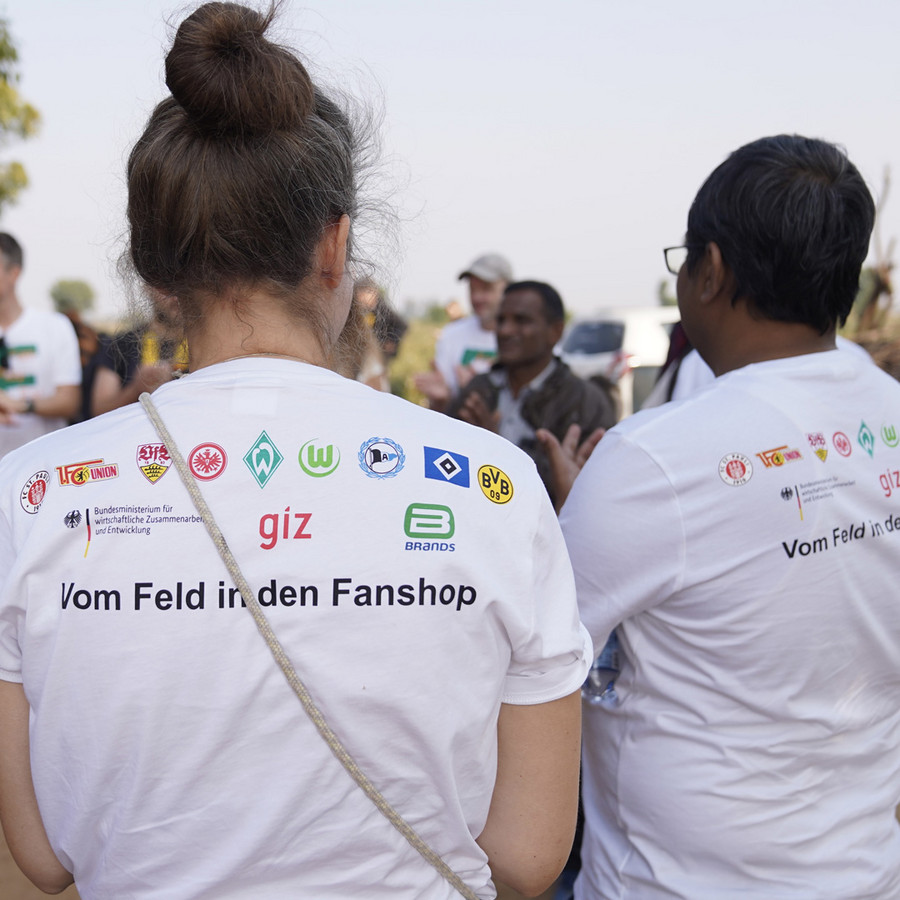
x,y
145,660
149,745
759,699
752,745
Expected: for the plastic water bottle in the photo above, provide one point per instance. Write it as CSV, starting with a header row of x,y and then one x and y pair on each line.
x,y
600,687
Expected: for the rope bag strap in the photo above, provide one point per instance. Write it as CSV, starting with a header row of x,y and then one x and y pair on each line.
x,y
299,688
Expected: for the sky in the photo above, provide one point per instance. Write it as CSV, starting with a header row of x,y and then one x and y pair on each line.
x,y
570,136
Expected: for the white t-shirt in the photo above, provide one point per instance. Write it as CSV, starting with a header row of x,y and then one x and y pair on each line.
x,y
692,375
170,757
748,541
43,355
464,343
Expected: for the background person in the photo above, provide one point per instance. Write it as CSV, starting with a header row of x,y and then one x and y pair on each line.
x,y
148,742
529,388
140,359
744,545
40,365
468,346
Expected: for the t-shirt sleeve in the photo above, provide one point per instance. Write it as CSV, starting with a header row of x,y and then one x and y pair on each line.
x,y
625,535
66,355
10,655
552,653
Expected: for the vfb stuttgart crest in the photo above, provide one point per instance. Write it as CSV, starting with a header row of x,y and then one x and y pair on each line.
x,y
153,460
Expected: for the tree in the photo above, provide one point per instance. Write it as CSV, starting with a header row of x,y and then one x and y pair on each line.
x,y
18,118
664,293
72,295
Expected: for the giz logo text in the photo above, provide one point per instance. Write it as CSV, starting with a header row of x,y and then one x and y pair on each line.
x,y
275,526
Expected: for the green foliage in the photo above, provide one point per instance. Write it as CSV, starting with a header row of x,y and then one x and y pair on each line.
x,y
72,295
665,295
415,355
436,315
18,118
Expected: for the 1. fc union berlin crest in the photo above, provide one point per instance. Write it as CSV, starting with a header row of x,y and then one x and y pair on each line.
x,y
153,460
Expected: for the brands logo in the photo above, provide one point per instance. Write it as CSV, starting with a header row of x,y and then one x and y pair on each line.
x,y
866,438
73,518
778,456
33,492
495,484
735,469
442,465
889,435
787,493
381,457
207,461
287,526
82,472
842,443
262,459
153,460
319,461
428,520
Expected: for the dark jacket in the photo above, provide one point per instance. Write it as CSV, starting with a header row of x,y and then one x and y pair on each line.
x,y
562,400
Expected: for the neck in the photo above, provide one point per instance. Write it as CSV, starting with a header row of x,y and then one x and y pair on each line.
x,y
764,341
10,310
262,326
520,376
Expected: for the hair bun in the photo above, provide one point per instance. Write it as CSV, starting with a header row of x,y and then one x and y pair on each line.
x,y
229,78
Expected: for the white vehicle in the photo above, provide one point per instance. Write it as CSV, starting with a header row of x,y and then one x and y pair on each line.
x,y
626,344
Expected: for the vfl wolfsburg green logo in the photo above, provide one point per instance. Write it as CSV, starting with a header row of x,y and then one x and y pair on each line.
x,y
319,461
263,459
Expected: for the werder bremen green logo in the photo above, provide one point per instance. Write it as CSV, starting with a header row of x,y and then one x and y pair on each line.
x,y
263,459
319,461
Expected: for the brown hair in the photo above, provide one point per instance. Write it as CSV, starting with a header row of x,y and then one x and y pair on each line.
x,y
238,173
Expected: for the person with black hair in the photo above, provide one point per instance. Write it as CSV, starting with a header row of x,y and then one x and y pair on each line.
x,y
743,545
406,571
531,392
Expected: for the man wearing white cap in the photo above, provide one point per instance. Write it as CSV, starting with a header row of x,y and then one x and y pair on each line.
x,y
468,346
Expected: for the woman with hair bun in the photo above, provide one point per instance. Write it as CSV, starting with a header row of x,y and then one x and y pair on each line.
x,y
405,569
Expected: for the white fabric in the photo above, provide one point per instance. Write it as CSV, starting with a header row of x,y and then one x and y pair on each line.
x,y
755,750
171,759
54,362
464,343
692,375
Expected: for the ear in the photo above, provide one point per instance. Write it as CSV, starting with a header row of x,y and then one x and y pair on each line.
x,y
331,252
716,275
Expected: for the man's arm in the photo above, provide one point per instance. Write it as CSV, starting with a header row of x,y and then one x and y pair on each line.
x,y
63,403
531,823
19,814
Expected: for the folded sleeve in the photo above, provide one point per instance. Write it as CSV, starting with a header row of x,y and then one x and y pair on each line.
x,y
625,534
10,614
552,652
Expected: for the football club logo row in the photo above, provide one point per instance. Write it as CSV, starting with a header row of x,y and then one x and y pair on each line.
x,y
736,469
377,457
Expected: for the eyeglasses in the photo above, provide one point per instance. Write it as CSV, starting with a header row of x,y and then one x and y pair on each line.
x,y
675,258
4,353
